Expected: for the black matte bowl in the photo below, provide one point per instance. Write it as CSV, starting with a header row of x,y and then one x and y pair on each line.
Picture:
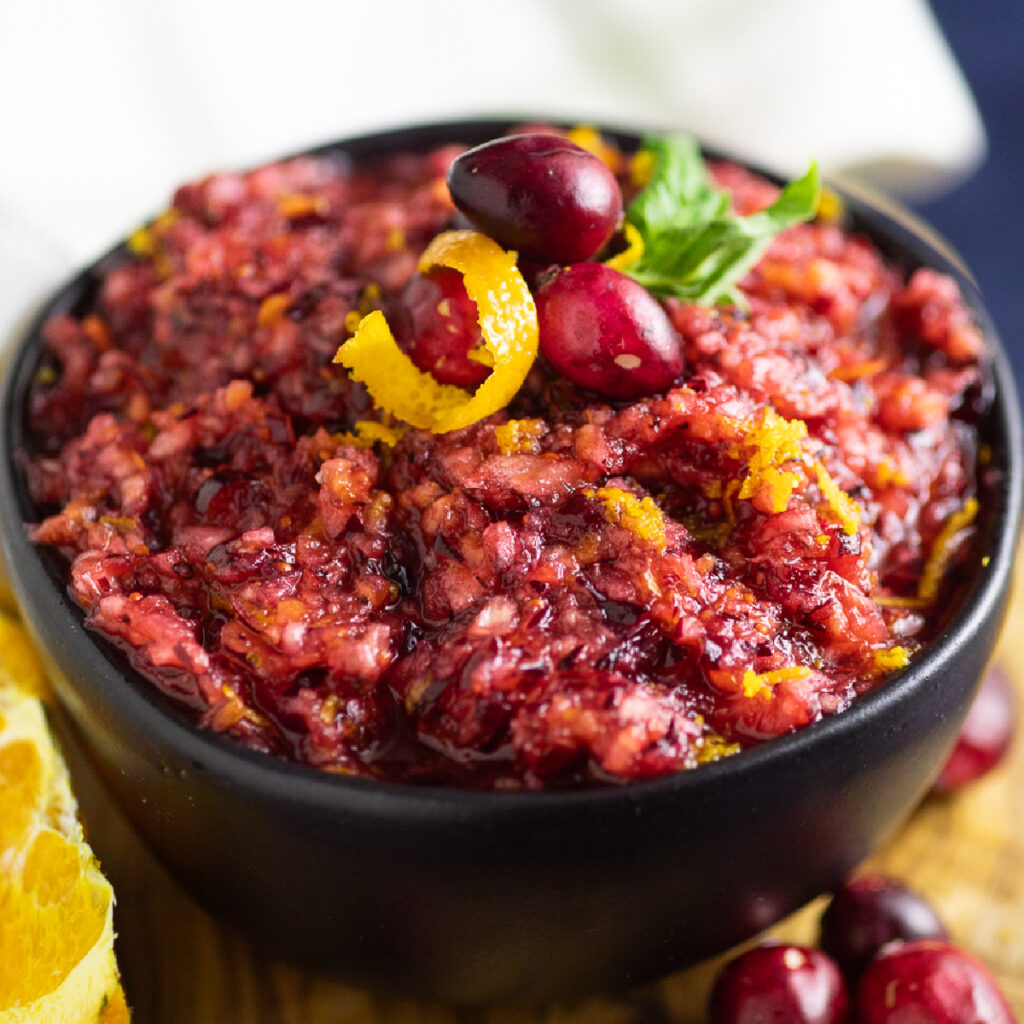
x,y
491,896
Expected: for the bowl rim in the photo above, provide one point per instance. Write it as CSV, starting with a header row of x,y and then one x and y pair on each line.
x,y
154,715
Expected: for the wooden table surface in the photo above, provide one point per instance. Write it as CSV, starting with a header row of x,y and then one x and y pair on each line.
x,y
966,853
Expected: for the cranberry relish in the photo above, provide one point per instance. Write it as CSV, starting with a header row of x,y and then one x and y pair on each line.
x,y
573,590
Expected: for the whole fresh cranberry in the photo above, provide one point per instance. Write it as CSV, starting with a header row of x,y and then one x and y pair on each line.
x,y
436,324
869,912
986,734
929,983
779,985
539,194
603,331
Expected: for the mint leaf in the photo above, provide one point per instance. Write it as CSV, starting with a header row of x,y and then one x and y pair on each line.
x,y
679,192
694,248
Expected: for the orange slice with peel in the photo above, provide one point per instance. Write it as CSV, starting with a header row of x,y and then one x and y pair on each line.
x,y
508,324
57,940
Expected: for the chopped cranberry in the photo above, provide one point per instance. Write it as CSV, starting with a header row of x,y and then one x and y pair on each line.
x,y
869,912
542,195
929,983
603,331
566,595
779,985
436,324
985,736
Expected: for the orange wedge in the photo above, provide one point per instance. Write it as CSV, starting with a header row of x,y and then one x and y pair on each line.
x,y
57,938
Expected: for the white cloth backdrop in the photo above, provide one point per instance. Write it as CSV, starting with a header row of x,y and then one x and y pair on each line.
x,y
106,104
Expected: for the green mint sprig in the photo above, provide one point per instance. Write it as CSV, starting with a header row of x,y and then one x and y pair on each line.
x,y
695,249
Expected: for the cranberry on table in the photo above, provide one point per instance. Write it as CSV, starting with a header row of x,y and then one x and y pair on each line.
x,y
929,983
986,734
779,985
435,323
541,195
869,912
603,331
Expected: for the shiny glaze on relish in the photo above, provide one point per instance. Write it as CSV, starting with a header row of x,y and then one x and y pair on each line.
x,y
575,590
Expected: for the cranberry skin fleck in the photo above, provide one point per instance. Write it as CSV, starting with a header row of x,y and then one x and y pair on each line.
x,y
869,912
603,331
929,983
985,736
541,195
779,985
436,325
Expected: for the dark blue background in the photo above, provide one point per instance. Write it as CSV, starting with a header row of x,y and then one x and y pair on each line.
x,y
983,219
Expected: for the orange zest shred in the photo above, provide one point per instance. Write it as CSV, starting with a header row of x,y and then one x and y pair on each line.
x,y
641,516
518,436
889,473
780,484
96,330
892,658
294,205
775,441
895,601
762,684
145,241
395,384
712,747
231,710
141,242
725,528
842,505
943,549
633,251
589,138
272,309
830,206
937,563
369,432
508,323
642,167
855,371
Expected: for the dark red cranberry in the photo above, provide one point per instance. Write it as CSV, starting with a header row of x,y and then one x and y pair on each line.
x,y
985,736
929,983
603,331
541,195
436,325
869,912
779,985
231,497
